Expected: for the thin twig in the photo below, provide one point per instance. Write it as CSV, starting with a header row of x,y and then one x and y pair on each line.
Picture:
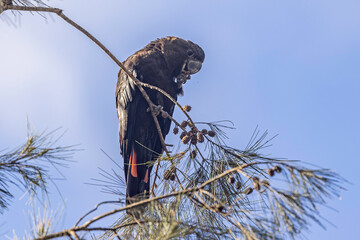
x,y
155,177
172,119
169,97
94,209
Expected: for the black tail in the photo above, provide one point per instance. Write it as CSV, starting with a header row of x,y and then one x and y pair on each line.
x,y
138,178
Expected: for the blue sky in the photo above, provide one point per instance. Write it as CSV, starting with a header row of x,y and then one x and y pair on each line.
x,y
292,67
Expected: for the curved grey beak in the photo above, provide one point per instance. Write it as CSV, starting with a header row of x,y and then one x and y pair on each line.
x,y
193,66
190,67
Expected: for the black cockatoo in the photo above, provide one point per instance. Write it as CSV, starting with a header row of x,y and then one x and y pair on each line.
x,y
166,63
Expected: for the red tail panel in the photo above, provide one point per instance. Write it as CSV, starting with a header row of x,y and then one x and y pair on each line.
x,y
133,163
146,179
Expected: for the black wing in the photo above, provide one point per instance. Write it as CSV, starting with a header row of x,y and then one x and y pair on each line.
x,y
127,100
138,136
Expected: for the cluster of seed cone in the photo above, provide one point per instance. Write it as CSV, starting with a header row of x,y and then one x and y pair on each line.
x,y
218,207
193,135
275,169
170,174
256,184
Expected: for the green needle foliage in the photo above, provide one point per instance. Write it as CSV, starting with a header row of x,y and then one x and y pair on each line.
x,y
27,167
229,194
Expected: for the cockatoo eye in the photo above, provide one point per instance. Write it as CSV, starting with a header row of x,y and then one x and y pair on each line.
x,y
190,52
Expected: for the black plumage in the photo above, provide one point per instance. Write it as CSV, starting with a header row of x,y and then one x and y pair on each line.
x,y
166,63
